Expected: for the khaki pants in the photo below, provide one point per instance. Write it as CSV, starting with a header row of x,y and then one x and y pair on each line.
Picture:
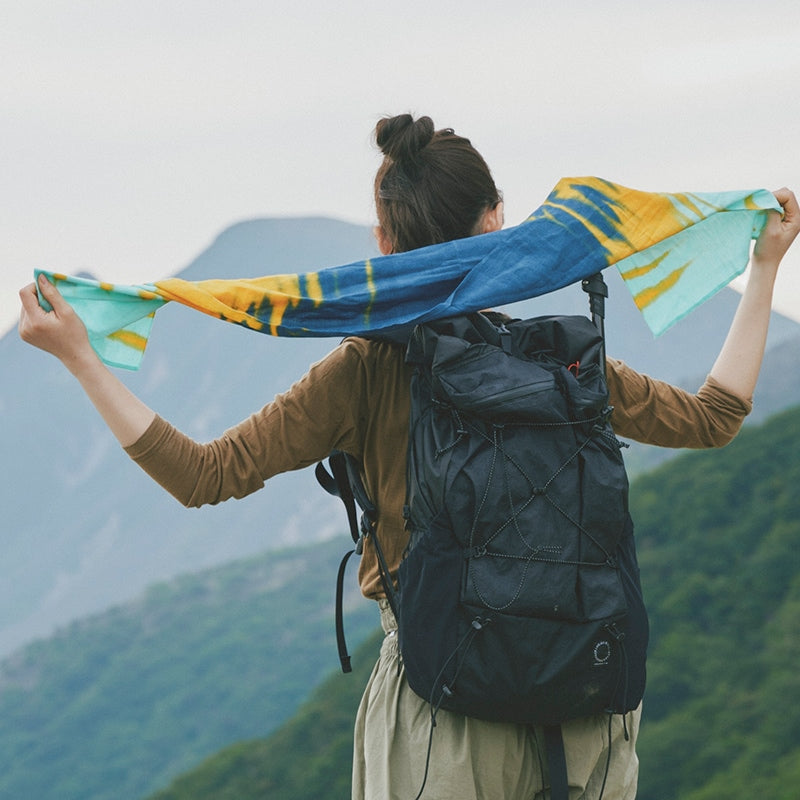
x,y
473,759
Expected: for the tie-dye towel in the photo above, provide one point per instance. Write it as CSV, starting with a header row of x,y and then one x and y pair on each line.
x,y
673,250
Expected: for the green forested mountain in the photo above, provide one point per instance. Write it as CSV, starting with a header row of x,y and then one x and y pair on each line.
x,y
719,534
117,705
308,757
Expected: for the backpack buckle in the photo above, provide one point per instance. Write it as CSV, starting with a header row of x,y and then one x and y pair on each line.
x,y
505,340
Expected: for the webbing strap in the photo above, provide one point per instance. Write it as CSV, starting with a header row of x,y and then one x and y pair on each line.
x,y
344,656
556,762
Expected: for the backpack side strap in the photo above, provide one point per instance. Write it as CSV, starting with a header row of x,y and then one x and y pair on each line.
x,y
337,484
344,481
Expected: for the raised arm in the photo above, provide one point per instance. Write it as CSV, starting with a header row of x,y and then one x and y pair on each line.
x,y
62,333
739,361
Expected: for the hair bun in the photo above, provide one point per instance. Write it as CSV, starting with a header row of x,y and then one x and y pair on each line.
x,y
401,138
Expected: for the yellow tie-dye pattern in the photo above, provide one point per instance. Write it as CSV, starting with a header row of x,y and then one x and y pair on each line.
x,y
314,289
232,301
370,281
750,204
287,292
202,299
638,272
656,219
544,213
657,209
693,203
129,339
663,215
617,249
652,293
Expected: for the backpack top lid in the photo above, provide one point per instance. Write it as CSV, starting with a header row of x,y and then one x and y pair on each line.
x,y
548,369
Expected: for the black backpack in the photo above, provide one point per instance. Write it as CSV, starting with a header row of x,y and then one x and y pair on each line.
x,y
519,597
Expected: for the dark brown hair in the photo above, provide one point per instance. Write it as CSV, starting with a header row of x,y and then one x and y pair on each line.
x,y
433,186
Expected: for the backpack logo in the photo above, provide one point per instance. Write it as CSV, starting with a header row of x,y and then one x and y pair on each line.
x,y
602,653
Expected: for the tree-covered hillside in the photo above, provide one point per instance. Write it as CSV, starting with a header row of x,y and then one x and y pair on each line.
x,y
308,757
719,534
117,705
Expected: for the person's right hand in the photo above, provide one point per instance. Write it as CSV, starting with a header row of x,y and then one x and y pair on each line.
x,y
779,232
60,331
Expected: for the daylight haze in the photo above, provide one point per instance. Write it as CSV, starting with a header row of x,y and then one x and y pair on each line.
x,y
133,133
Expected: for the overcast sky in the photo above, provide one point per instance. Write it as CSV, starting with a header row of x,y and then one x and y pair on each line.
x,y
134,132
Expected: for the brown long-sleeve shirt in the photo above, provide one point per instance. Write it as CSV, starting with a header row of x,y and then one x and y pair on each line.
x,y
357,400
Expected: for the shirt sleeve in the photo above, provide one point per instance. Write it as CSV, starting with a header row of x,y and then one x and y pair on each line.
x,y
320,412
654,412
